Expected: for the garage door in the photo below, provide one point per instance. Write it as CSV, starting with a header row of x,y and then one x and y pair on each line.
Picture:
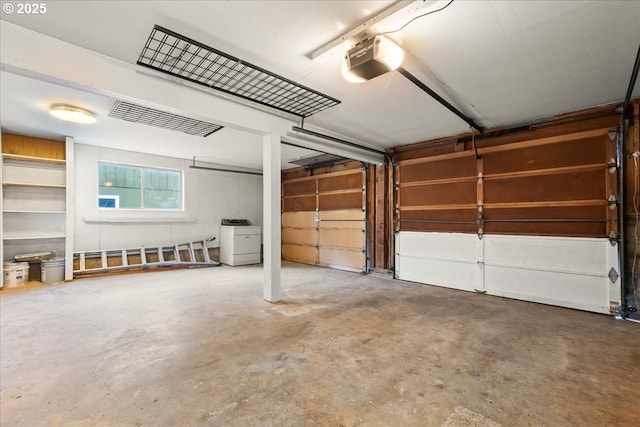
x,y
323,220
528,220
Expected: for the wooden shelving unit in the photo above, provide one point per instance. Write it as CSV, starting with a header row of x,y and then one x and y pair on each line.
x,y
35,197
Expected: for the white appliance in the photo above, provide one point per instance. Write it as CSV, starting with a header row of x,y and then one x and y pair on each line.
x,y
239,243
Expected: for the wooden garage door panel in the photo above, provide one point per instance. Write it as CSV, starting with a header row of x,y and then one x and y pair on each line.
x,y
343,225
342,238
582,221
567,186
353,220
343,182
300,236
342,215
451,220
444,194
298,219
570,153
444,169
298,187
299,204
304,254
341,201
342,258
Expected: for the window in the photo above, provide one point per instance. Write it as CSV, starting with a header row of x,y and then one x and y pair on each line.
x,y
135,187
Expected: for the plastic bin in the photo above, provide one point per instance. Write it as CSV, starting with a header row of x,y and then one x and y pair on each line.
x,y
15,274
52,270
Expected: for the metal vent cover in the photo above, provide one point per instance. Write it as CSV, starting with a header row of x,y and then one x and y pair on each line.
x,y
319,161
135,113
179,56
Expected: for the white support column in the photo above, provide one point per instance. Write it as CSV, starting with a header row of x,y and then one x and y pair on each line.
x,y
271,215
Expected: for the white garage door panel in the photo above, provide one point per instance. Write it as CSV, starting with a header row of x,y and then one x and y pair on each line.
x,y
450,274
564,271
566,290
553,253
451,246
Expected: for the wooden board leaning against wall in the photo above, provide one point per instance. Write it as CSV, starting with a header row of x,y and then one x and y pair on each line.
x,y
324,217
552,179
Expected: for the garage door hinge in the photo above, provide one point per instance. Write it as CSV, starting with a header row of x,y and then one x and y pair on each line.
x,y
613,238
612,201
480,233
480,176
613,165
613,275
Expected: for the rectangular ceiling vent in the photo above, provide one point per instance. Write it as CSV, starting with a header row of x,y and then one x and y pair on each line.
x,y
149,116
179,56
319,161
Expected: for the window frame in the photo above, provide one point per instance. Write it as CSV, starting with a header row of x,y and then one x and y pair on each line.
x,y
142,169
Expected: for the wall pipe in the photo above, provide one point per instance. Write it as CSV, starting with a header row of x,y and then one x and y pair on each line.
x,y
620,146
193,166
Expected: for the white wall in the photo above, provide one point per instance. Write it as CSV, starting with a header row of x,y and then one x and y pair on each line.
x,y
209,197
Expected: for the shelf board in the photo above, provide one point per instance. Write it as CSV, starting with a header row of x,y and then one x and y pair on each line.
x,y
20,157
32,211
34,237
25,184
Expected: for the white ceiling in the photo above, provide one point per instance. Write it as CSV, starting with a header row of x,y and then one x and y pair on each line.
x,y
501,62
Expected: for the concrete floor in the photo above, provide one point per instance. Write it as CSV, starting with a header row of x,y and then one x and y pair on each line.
x,y
200,347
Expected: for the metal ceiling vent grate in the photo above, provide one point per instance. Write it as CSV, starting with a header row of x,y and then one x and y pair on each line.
x,y
139,114
182,57
319,161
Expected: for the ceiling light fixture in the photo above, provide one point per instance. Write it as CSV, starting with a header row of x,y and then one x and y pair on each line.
x,y
371,58
72,114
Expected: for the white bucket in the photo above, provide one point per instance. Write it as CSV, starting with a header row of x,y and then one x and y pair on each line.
x,y
15,274
52,270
